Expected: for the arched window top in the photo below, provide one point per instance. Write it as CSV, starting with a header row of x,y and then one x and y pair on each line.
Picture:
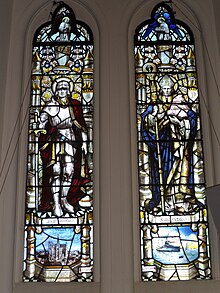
x,y
63,28
163,27
173,208
59,185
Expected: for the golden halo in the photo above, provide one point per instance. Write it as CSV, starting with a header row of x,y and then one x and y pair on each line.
x,y
62,79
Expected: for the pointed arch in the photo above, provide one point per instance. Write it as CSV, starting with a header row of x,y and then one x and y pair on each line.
x,y
59,189
173,209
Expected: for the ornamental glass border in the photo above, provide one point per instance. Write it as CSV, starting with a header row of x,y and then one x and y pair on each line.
x,y
58,234
173,207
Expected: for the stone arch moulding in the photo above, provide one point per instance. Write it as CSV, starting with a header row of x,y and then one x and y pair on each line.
x,y
40,17
192,21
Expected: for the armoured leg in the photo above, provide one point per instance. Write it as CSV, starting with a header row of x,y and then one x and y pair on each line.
x,y
57,210
68,171
55,189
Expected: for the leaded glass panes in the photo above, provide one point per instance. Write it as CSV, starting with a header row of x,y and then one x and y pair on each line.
x,y
59,212
173,209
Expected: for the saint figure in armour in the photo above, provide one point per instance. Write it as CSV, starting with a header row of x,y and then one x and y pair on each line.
x,y
63,150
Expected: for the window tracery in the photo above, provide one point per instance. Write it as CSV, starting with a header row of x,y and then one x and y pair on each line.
x,y
173,208
59,188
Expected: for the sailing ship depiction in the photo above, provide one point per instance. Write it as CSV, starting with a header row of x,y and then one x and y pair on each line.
x,y
169,247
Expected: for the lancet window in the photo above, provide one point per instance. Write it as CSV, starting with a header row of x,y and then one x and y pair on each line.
x,y
173,208
58,244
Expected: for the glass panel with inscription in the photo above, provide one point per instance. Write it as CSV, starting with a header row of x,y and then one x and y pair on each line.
x,y
173,208
58,244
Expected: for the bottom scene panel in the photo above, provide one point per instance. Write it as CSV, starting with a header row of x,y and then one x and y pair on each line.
x,y
58,254
175,252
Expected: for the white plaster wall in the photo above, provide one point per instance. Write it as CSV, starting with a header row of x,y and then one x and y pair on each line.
x,y
116,199
5,16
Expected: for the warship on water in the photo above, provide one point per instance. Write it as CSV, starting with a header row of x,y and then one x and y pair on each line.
x,y
169,247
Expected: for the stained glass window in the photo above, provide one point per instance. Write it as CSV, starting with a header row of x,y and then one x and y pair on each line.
x,y
59,212
173,209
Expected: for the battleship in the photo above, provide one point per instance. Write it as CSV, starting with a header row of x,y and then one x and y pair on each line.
x,y
169,247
